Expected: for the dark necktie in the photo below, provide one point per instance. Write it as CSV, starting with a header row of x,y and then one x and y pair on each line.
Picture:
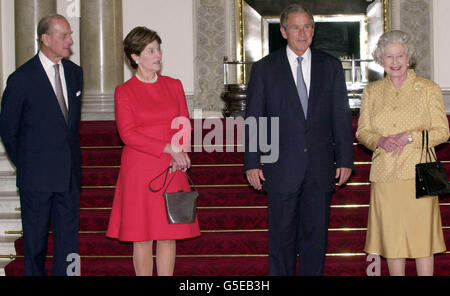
x,y
59,93
301,87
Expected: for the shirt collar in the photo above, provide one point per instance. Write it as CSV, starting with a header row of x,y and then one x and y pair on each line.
x,y
46,62
292,56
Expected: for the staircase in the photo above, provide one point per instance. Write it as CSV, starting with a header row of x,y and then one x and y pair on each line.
x,y
10,222
232,216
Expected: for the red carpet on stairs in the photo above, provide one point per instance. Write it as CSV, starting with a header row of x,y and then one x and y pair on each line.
x,y
232,216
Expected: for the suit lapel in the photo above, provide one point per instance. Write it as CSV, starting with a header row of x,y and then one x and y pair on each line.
x,y
43,80
70,84
316,66
285,75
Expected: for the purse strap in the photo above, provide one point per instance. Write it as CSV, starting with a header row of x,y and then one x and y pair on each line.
x,y
430,151
166,173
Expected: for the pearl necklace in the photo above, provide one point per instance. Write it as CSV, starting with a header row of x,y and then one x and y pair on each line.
x,y
154,79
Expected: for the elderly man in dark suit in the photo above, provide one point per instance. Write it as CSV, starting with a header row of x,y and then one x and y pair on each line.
x,y
304,89
39,124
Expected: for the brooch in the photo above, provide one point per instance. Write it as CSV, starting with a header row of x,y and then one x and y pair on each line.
x,y
417,86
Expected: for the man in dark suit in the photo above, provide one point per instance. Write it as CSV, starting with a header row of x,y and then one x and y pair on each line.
x,y
308,99
39,124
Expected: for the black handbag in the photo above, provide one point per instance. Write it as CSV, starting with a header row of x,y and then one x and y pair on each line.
x,y
431,178
181,206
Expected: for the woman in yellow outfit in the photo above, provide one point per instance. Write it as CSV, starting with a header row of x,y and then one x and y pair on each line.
x,y
394,112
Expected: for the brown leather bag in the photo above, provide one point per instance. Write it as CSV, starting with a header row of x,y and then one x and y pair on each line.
x,y
181,206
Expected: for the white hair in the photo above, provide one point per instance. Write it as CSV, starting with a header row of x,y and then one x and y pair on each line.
x,y
394,36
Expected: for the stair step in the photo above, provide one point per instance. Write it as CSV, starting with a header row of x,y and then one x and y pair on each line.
x,y
245,218
232,196
235,266
213,243
8,181
222,174
9,202
110,155
7,246
10,222
224,218
5,163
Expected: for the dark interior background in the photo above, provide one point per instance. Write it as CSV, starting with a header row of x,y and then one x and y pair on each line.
x,y
338,39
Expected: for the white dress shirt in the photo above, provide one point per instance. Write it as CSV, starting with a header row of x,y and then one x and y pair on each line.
x,y
50,70
306,65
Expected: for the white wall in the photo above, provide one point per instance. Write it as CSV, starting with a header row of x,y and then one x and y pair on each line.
x,y
173,20
441,48
441,40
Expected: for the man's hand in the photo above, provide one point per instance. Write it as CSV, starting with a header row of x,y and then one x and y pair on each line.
x,y
343,174
254,177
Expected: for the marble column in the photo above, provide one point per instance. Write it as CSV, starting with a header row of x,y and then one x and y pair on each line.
x,y
101,56
27,15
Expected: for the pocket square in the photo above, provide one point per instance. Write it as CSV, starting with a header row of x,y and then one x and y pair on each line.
x,y
78,93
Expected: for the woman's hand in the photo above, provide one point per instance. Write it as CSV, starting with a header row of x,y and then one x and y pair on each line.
x,y
394,143
387,143
180,159
402,140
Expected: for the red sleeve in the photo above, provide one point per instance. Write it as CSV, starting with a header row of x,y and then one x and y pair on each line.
x,y
183,122
182,101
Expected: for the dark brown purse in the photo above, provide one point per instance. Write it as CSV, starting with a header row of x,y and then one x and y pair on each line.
x,y
431,178
181,206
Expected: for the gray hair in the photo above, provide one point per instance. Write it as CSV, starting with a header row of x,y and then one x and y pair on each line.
x,y
294,8
394,36
45,25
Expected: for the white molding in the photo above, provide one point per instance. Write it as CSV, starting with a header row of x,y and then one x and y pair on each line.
x,y
7,41
441,44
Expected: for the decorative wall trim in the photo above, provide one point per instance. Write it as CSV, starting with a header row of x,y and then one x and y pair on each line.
x,y
415,19
211,47
386,15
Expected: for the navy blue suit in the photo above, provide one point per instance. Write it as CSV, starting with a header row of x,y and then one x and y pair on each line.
x,y
46,153
300,183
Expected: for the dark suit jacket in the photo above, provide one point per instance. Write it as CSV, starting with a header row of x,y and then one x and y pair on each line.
x,y
315,146
45,151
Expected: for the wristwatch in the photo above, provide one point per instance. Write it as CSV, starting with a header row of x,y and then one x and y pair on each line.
x,y
410,138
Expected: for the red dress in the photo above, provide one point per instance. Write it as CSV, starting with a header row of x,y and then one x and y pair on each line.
x,y
144,114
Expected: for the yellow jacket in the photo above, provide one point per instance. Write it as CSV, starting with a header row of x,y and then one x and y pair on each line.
x,y
418,105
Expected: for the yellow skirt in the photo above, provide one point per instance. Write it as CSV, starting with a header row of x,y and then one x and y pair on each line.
x,y
401,226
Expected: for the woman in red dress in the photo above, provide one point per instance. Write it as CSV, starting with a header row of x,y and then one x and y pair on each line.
x,y
145,107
